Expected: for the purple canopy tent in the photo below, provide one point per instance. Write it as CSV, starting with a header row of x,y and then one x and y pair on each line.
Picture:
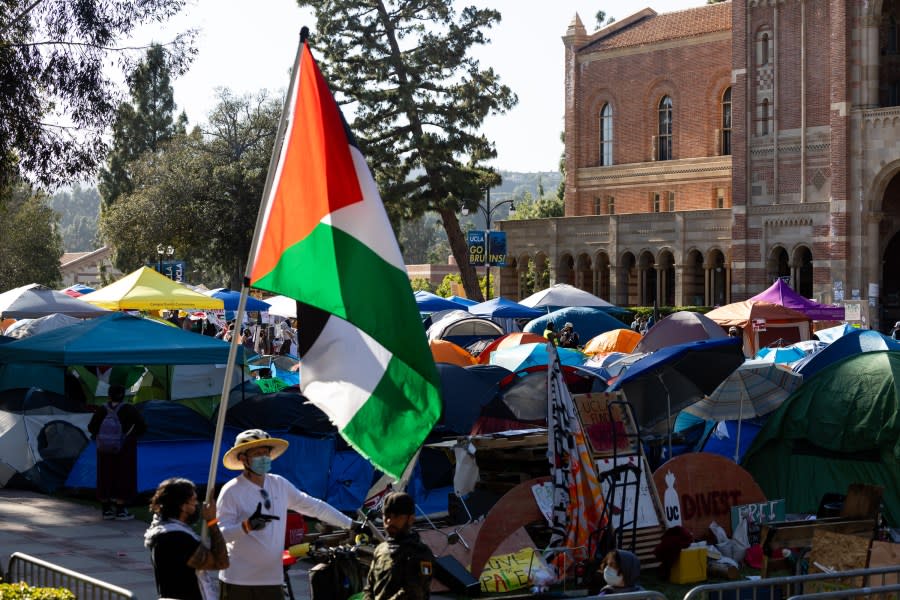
x,y
781,293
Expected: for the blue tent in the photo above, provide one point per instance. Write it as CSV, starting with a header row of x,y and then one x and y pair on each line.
x,y
854,342
504,308
231,298
112,339
834,333
587,321
429,303
462,301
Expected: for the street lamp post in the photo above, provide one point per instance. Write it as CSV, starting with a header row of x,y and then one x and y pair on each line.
x,y
163,250
488,211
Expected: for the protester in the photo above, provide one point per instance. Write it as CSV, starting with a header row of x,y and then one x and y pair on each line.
x,y
621,570
402,564
550,333
733,332
568,337
252,511
115,429
181,561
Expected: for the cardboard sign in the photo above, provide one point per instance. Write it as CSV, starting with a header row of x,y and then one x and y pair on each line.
x,y
624,493
600,422
507,572
759,324
701,488
756,515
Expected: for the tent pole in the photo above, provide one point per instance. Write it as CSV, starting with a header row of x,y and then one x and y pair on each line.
x,y
737,445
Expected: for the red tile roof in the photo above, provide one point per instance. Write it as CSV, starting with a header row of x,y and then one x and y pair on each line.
x,y
666,26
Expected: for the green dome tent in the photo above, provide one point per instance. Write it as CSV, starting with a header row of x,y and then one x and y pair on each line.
x,y
840,427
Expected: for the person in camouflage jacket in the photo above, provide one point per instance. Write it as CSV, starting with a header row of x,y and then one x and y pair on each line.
x,y
402,564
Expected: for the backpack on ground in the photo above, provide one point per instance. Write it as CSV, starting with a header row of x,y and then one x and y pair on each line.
x,y
110,437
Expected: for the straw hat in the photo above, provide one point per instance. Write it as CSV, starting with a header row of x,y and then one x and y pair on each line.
x,y
247,440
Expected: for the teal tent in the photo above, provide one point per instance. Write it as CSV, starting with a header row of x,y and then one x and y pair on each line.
x,y
838,428
113,339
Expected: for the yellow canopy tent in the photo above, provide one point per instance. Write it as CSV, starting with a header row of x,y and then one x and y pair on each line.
x,y
145,289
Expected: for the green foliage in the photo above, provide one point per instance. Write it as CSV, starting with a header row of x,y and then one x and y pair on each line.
x,y
30,243
60,63
419,101
79,211
142,125
200,193
420,284
534,281
444,290
419,237
543,208
23,591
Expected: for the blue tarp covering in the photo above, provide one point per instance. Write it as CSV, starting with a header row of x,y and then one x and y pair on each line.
x,y
429,303
588,322
504,308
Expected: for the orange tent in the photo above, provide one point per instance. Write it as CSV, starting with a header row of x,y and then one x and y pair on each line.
x,y
616,340
510,340
763,323
448,352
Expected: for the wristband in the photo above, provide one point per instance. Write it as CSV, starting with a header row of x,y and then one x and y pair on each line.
x,y
212,522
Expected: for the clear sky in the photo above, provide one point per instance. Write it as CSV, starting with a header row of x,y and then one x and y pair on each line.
x,y
249,45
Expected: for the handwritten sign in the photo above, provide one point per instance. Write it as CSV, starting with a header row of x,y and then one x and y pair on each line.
x,y
701,488
507,572
756,515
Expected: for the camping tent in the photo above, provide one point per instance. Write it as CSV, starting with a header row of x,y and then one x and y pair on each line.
x,y
781,293
505,312
840,427
615,340
27,327
763,323
679,328
448,352
563,295
855,342
462,328
588,322
145,289
113,339
32,301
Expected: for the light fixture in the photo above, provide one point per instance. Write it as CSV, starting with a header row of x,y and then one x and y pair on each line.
x,y
512,208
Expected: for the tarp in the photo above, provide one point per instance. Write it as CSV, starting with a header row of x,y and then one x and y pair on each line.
x,y
429,303
32,301
840,427
855,342
145,289
588,322
781,293
504,308
762,323
679,328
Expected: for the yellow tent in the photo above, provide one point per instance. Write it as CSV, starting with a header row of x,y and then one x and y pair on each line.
x,y
145,289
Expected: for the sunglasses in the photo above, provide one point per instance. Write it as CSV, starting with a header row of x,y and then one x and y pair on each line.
x,y
267,502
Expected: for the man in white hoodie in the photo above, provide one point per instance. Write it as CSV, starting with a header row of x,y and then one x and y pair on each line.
x,y
252,511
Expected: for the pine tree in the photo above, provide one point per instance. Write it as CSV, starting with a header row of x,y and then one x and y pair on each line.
x,y
419,102
141,125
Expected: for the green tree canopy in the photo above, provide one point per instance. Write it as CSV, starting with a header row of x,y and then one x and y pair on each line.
x,y
79,211
419,102
30,243
58,83
143,124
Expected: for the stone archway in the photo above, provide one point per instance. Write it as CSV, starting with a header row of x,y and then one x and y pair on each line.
x,y
889,233
627,281
541,272
717,284
778,265
648,277
692,279
584,273
802,267
666,278
602,277
565,271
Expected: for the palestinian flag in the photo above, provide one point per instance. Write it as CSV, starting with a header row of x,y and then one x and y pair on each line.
x,y
324,239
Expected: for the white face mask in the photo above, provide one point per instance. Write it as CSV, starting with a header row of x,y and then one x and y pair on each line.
x,y
612,577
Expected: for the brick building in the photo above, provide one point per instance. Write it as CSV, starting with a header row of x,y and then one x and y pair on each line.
x,y
713,149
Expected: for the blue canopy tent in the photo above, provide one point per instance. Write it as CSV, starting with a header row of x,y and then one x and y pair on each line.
x,y
849,344
505,312
462,301
430,303
112,339
231,298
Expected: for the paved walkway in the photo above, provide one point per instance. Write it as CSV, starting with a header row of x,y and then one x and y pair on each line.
x,y
73,536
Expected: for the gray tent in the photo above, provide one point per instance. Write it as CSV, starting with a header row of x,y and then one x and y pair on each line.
x,y
33,300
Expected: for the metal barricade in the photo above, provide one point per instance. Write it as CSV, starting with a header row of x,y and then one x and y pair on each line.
x,y
40,573
780,588
887,591
641,595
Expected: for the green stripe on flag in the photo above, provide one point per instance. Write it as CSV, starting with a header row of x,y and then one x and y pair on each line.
x,y
391,426
333,271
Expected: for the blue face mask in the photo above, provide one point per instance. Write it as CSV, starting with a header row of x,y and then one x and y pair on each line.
x,y
261,464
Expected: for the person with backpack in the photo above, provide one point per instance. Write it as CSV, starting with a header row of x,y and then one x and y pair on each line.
x,y
115,428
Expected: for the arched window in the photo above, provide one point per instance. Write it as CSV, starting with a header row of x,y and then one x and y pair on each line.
x,y
726,122
764,118
606,135
764,49
664,148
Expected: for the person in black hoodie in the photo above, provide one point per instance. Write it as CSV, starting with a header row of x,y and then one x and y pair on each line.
x,y
621,570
